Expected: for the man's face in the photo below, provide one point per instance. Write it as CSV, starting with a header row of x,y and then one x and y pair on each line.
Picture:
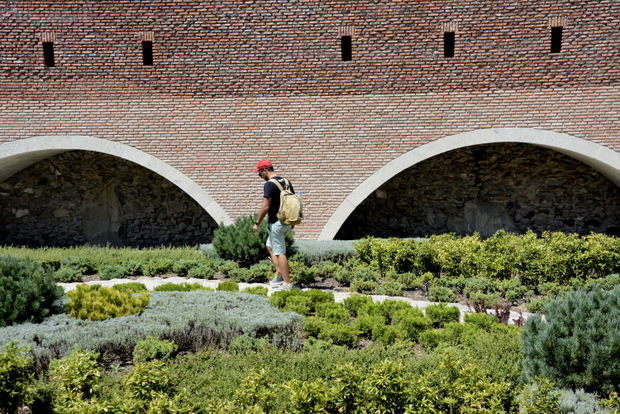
x,y
263,174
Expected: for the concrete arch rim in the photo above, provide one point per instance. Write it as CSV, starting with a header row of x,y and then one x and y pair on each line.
x,y
19,154
599,157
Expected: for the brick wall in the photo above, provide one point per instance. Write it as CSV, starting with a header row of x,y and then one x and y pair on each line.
x,y
232,82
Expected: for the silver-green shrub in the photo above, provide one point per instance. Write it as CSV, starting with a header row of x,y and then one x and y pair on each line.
x,y
193,320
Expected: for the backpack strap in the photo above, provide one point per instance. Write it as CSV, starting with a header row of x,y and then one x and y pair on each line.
x,y
286,183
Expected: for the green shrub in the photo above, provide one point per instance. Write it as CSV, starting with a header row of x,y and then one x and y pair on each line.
x,y
301,275
363,286
240,275
334,313
79,263
354,302
157,267
181,287
481,320
67,275
343,276
202,271
239,243
325,269
27,292
16,374
413,326
366,323
441,314
182,267
131,287
256,290
152,348
98,303
225,266
576,345
539,397
313,326
228,287
390,288
300,304
109,272
262,271
429,339
441,294
318,297
390,307
77,381
339,334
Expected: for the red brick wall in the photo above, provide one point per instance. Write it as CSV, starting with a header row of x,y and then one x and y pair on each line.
x,y
236,81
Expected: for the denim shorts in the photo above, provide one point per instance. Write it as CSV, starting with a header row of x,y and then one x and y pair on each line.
x,y
275,240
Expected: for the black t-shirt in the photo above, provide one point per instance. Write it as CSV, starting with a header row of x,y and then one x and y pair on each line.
x,y
272,190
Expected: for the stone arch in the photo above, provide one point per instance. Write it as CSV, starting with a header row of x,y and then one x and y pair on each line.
x,y
17,155
600,158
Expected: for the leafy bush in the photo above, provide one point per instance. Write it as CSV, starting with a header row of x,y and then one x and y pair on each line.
x,y
109,272
152,348
79,263
354,302
390,288
576,345
77,381
325,269
363,286
256,290
182,267
300,304
202,271
441,294
239,243
339,334
132,287
181,287
157,267
441,314
67,275
481,320
228,287
301,275
15,375
334,313
27,292
240,275
98,303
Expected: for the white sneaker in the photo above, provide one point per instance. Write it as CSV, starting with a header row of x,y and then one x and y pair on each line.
x,y
277,280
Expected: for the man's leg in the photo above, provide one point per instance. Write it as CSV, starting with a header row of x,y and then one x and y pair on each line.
x,y
283,268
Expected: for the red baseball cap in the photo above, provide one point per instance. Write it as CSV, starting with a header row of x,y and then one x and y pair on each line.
x,y
262,164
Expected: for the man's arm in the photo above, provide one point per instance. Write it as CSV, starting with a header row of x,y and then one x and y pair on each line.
x,y
263,212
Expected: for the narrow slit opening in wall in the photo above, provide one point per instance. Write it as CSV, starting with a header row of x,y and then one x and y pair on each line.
x,y
346,47
448,44
556,39
147,53
48,54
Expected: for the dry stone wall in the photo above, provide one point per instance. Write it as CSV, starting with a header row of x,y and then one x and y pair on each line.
x,y
82,197
485,188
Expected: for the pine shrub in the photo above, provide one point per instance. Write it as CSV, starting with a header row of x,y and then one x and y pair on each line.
x,y
239,243
441,314
27,291
578,342
228,287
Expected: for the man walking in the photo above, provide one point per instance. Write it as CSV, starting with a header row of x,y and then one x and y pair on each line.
x,y
277,231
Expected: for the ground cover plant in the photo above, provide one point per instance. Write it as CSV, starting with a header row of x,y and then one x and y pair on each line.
x,y
182,354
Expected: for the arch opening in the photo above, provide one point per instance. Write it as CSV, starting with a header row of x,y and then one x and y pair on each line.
x,y
59,195
476,182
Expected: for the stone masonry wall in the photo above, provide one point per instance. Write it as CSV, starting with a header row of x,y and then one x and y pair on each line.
x,y
233,82
84,197
485,188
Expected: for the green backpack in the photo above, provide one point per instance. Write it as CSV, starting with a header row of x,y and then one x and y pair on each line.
x,y
290,206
